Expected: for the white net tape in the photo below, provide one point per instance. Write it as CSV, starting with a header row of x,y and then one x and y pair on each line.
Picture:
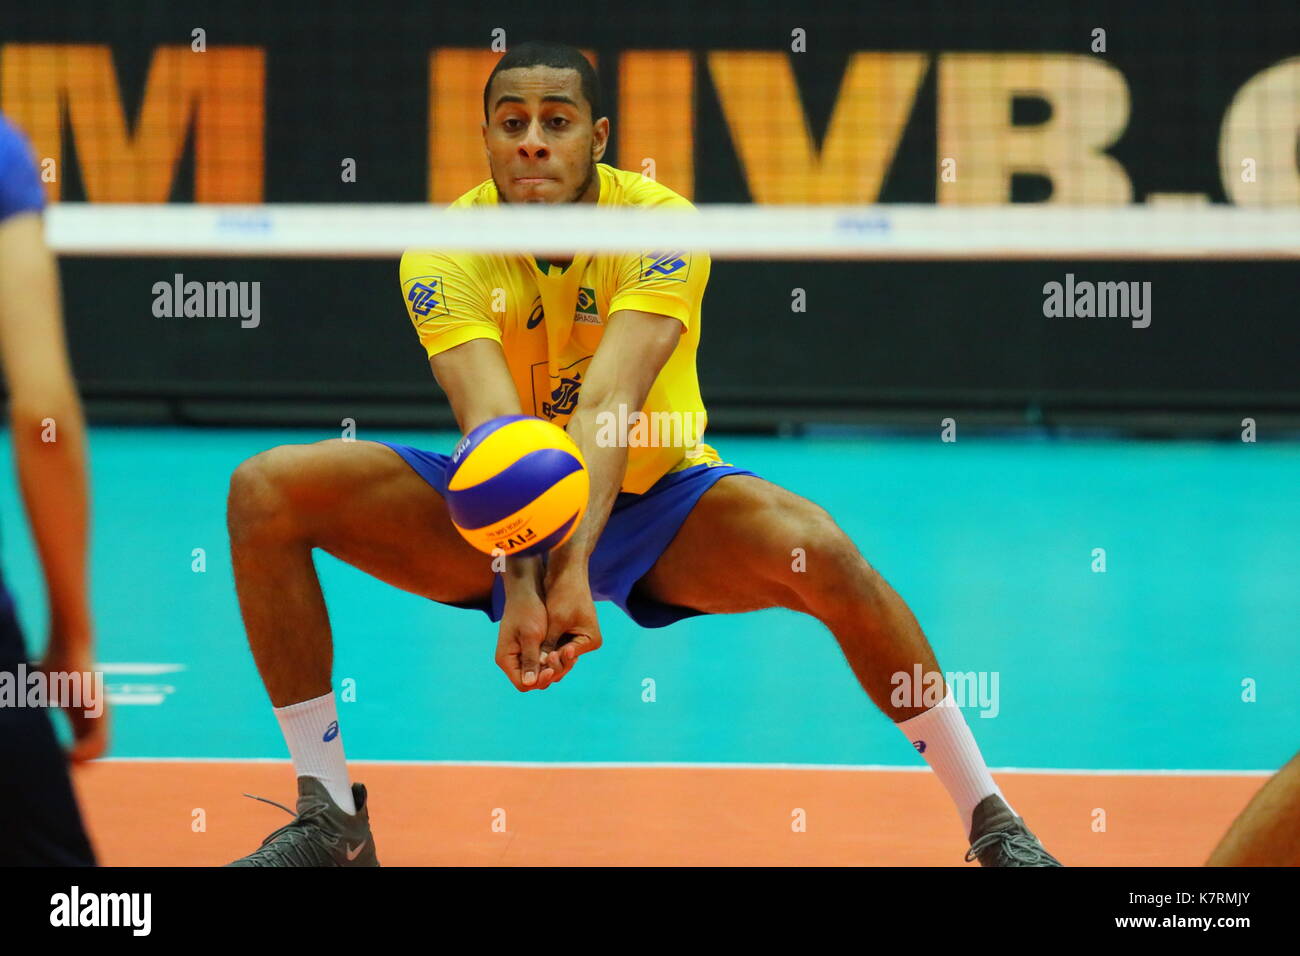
x,y
726,231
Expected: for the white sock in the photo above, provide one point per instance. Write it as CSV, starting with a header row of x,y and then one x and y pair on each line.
x,y
945,741
311,729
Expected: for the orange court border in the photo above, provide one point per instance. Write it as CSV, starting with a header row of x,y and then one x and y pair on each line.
x,y
142,813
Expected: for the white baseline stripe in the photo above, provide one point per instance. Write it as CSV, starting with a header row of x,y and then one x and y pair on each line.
x,y
150,699
651,765
140,668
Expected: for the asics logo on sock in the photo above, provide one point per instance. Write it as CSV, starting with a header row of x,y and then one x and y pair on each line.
x,y
919,745
331,731
354,853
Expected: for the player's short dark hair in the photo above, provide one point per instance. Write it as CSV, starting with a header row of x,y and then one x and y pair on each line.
x,y
561,56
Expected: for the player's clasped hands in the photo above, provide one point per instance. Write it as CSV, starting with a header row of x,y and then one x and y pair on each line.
x,y
541,636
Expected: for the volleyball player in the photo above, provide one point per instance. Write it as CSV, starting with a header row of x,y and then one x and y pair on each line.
x,y
669,531
48,432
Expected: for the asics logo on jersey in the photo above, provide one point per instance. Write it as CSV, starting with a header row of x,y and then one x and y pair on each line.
x,y
664,264
423,298
331,731
536,316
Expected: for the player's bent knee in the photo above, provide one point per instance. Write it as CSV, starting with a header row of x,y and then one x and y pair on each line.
x,y
822,544
828,572
260,498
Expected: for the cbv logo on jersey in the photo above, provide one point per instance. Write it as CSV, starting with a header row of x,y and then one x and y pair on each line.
x,y
555,396
564,397
666,265
426,297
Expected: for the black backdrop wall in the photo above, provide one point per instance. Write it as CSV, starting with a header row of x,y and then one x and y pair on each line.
x,y
880,340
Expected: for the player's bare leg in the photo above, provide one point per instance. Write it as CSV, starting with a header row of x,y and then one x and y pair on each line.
x,y
363,504
749,544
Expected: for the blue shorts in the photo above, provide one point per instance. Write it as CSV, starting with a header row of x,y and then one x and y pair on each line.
x,y
639,529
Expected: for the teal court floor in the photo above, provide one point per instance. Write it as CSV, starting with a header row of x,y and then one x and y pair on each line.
x,y
1180,655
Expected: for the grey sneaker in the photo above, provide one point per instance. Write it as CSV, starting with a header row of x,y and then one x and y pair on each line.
x,y
320,835
1000,838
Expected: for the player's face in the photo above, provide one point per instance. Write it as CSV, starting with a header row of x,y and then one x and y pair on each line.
x,y
542,145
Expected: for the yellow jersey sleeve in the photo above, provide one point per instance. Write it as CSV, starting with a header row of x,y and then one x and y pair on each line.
x,y
665,282
447,300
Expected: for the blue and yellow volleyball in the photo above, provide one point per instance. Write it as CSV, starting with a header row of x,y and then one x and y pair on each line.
x,y
517,485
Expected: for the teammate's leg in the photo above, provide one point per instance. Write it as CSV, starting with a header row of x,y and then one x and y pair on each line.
x,y
43,824
1267,832
365,505
750,544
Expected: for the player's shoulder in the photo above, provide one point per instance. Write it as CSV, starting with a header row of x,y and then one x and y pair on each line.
x,y
20,185
15,152
10,136
416,263
484,194
425,261
627,188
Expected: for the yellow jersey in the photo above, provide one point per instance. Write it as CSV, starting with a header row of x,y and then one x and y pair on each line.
x,y
549,321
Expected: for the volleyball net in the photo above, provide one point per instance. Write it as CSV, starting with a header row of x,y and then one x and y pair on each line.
x,y
1178,318
725,231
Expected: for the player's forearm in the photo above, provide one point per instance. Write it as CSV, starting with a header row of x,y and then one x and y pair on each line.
x,y
522,576
486,409
477,382
519,575
49,446
606,466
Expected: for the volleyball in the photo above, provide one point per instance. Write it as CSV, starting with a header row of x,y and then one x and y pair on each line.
x,y
517,485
